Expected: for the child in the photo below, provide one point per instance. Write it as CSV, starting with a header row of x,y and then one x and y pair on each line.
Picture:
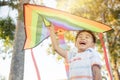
x,y
84,64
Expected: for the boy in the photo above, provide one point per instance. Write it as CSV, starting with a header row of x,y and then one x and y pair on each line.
x,y
84,64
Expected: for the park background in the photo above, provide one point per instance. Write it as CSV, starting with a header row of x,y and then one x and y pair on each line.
x,y
16,63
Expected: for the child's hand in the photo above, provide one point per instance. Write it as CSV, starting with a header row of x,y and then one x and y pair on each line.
x,y
51,27
46,22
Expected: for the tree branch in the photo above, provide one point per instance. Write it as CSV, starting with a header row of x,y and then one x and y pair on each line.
x,y
4,3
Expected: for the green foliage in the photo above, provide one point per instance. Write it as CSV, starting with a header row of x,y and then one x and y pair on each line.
x,y
14,4
11,3
116,13
7,30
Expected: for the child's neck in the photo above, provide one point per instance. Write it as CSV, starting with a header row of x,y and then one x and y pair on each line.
x,y
80,51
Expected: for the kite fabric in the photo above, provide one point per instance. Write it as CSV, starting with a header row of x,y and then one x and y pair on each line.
x,y
37,17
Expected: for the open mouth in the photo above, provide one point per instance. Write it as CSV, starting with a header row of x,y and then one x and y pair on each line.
x,y
82,43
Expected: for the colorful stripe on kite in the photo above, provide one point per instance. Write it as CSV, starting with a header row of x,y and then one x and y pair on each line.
x,y
36,30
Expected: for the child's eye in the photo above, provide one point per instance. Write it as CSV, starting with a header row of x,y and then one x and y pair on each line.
x,y
87,36
79,37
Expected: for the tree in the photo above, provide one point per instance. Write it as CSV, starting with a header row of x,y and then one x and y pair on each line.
x,y
7,29
17,63
113,18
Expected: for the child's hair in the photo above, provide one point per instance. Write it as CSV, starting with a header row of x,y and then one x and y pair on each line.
x,y
88,31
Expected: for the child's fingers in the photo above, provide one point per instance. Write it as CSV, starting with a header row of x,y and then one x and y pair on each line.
x,y
47,23
51,27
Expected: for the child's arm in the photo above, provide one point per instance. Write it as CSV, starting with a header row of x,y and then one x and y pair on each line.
x,y
96,72
55,43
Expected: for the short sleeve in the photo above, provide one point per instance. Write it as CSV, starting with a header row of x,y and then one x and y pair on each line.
x,y
95,57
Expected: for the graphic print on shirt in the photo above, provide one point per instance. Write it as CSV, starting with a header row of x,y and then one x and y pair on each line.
x,y
80,67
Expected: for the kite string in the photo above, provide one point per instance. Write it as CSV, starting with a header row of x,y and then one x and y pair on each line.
x,y
35,65
106,56
67,68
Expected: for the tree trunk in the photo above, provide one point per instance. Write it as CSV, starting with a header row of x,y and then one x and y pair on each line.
x,y
17,63
116,75
4,3
115,71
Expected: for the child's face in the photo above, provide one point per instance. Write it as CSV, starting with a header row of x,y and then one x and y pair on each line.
x,y
84,41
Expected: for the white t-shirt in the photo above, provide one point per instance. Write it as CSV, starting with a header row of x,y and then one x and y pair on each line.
x,y
80,64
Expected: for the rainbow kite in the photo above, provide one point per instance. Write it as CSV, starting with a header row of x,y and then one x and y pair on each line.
x,y
37,17
36,30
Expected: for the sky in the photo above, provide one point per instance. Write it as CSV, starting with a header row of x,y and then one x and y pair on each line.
x,y
5,11
49,67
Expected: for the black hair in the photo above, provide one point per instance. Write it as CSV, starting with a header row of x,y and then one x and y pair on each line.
x,y
88,31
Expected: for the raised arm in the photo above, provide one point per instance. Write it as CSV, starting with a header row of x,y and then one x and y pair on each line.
x,y
55,43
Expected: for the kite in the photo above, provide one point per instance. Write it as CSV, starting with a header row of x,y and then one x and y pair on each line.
x,y
36,30
37,18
